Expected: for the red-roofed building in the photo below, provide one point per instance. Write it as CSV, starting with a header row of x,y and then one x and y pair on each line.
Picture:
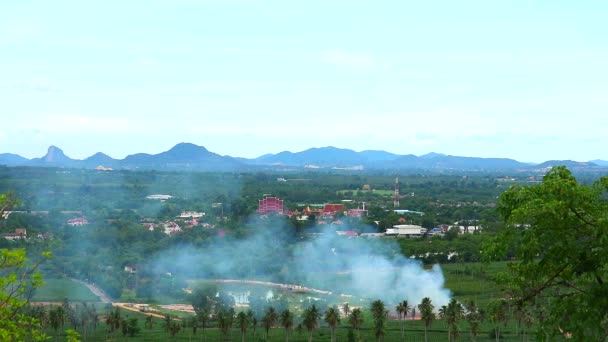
x,y
333,208
270,205
356,212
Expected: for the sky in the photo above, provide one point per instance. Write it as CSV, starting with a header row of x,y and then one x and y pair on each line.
x,y
522,79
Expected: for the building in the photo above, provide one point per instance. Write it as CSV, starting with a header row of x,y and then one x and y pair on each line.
x,y
77,222
350,233
356,212
191,214
159,197
20,233
333,208
270,205
406,230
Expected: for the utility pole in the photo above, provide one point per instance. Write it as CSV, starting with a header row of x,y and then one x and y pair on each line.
x,y
396,196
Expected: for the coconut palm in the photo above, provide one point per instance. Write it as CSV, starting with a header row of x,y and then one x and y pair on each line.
x,y
427,315
379,314
474,317
225,319
355,319
269,319
242,320
203,317
498,314
402,309
346,309
332,318
311,320
452,313
286,320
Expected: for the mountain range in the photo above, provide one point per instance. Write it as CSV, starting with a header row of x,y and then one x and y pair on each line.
x,y
187,156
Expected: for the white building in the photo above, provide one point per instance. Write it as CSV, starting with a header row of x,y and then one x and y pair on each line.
x,y
406,230
159,197
191,214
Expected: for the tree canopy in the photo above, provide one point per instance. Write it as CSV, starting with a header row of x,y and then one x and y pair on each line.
x,y
556,233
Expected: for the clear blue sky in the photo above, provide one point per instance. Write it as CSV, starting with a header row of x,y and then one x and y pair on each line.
x,y
521,79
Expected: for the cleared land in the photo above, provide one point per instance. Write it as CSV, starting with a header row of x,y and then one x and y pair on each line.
x,y
56,290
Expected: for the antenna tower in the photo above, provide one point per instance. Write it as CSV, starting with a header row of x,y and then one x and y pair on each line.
x,y
396,196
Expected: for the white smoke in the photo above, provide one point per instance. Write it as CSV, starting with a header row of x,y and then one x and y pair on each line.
x,y
366,267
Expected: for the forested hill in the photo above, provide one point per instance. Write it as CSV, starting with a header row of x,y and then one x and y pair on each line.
x,y
187,156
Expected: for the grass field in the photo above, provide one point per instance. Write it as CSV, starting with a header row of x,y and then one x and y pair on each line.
x,y
414,331
56,290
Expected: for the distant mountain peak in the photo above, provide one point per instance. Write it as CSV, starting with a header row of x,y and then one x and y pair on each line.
x,y
55,155
432,155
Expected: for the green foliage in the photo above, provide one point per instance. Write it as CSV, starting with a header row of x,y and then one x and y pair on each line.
x,y
452,313
557,233
427,314
18,280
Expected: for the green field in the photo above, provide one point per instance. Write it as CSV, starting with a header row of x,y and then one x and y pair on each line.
x,y
414,331
56,290
466,281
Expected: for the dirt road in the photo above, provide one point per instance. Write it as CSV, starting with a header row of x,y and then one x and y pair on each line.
x,y
103,297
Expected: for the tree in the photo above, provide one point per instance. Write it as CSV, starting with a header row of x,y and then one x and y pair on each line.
x,y
498,313
403,308
286,319
18,280
203,317
346,309
56,317
253,320
332,318
379,314
269,319
310,320
242,320
355,319
556,232
427,315
171,325
225,320
193,323
474,317
113,319
452,313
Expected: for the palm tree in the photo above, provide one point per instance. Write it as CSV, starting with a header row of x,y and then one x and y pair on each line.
x,y
269,319
286,322
203,317
402,309
149,322
311,320
474,317
346,309
332,318
379,314
399,309
243,322
224,321
356,319
427,315
498,314
452,313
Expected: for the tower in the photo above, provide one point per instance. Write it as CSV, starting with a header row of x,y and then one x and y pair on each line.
x,y
396,196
